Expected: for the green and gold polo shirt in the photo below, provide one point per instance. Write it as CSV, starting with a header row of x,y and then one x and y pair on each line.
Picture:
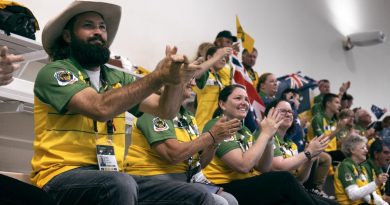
x,y
65,140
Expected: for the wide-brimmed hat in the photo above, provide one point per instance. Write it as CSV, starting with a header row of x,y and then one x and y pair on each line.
x,y
111,14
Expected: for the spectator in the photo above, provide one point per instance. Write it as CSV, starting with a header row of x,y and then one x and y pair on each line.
x,y
297,135
209,84
79,113
319,170
352,183
377,163
347,116
267,87
362,122
248,61
239,159
326,123
13,191
161,148
346,101
286,156
324,87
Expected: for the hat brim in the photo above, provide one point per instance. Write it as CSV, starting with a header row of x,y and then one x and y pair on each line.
x,y
53,30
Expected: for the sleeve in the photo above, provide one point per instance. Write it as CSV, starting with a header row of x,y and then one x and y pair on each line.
x,y
354,192
56,86
201,82
317,126
378,199
225,146
156,129
277,151
346,175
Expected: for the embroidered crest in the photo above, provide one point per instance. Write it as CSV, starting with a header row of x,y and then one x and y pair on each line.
x,y
65,77
159,124
348,177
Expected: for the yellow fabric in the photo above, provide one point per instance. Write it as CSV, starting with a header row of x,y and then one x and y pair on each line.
x,y
341,195
70,141
247,41
207,98
332,145
144,161
220,173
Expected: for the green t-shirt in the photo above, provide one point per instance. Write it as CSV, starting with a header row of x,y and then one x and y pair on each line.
x,y
242,140
58,81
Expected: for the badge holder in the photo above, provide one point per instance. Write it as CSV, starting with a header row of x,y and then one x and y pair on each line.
x,y
105,153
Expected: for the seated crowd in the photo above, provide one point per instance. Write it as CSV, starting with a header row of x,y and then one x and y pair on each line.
x,y
175,156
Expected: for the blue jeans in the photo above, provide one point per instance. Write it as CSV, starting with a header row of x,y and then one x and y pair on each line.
x,y
87,185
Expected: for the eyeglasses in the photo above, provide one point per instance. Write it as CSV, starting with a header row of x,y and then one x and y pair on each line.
x,y
285,112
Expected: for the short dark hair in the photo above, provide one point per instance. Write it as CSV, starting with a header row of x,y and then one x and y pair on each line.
x,y
347,97
245,51
323,81
211,51
376,147
328,98
286,91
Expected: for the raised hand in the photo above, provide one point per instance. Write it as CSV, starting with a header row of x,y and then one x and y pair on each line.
x,y
345,86
381,179
317,145
223,52
270,124
7,65
174,68
224,128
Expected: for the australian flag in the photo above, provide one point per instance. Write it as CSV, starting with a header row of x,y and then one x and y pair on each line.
x,y
378,112
257,106
302,84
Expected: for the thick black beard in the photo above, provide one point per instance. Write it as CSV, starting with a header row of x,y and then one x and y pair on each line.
x,y
89,55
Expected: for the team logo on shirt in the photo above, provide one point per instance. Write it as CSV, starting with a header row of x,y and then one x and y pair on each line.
x,y
348,177
65,77
159,124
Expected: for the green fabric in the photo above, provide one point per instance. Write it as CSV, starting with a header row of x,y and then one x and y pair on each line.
x,y
146,125
318,99
201,82
280,142
243,137
346,173
49,90
318,124
372,169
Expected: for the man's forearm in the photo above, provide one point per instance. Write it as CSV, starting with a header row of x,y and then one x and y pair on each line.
x,y
107,105
170,101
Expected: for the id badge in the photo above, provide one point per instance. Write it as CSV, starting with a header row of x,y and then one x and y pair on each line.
x,y
106,158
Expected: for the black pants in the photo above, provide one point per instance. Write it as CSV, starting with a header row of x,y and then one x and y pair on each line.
x,y
269,188
15,192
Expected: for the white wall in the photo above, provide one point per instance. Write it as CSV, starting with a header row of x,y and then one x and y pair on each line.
x,y
290,35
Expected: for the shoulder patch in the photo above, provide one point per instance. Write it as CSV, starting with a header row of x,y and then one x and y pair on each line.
x,y
348,177
65,77
159,124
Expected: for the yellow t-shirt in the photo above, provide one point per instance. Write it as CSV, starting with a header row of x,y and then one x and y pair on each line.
x,y
143,160
65,140
207,95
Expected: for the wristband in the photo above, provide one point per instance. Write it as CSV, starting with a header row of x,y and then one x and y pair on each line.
x,y
212,136
308,155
